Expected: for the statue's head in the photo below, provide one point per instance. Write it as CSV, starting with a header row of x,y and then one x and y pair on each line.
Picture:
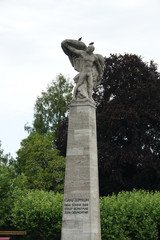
x,y
90,49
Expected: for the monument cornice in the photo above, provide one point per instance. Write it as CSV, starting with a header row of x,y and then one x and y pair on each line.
x,y
83,103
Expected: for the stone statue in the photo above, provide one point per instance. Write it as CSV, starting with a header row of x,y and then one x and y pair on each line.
x,y
89,65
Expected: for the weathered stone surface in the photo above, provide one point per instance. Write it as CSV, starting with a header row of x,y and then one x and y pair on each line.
x,y
89,65
81,217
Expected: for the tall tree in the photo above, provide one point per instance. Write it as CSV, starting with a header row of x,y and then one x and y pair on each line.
x,y
128,123
51,107
40,164
128,119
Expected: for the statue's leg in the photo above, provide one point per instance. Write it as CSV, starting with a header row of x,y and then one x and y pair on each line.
x,y
79,83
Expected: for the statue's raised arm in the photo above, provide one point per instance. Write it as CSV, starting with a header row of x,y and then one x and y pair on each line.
x,y
90,67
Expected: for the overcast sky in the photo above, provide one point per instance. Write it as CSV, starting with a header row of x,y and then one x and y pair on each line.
x,y
31,32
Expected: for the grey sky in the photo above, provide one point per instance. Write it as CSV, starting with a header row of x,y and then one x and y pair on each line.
x,y
30,54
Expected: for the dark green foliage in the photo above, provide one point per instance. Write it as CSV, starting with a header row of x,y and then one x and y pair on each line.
x,y
128,123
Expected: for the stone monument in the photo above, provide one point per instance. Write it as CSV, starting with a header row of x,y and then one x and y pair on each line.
x,y
81,215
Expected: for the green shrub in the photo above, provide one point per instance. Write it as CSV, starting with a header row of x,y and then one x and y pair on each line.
x,y
131,215
39,213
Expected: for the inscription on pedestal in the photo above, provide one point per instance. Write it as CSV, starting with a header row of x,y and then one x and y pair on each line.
x,y
76,205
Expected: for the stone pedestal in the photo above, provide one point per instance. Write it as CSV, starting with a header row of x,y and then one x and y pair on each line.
x,y
81,217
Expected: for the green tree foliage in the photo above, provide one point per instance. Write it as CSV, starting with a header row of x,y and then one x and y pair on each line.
x,y
128,123
39,163
51,107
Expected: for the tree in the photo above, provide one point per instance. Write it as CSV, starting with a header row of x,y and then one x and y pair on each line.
x,y
128,119
39,163
128,123
51,107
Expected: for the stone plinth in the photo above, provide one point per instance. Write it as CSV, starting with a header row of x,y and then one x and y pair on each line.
x,y
81,217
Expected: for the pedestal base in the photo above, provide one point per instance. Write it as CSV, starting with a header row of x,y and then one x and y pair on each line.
x,y
81,217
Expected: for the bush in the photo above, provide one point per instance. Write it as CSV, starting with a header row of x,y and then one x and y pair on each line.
x,y
39,213
131,215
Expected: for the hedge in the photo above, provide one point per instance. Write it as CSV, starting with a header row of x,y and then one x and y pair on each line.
x,y
131,215
128,216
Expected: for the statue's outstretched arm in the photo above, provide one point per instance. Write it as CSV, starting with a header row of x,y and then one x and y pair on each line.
x,y
74,50
71,46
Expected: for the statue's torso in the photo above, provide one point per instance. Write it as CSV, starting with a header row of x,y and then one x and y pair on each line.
x,y
88,60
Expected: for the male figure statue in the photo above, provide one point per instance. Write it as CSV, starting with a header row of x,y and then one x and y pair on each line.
x,y
89,65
